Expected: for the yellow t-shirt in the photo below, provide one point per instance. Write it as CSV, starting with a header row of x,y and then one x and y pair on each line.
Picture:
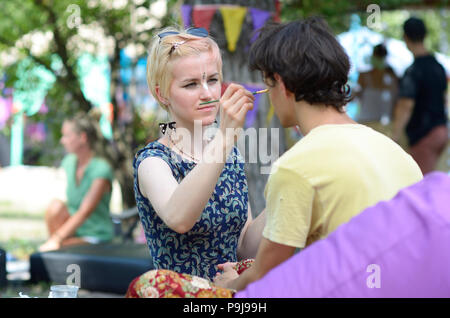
x,y
329,176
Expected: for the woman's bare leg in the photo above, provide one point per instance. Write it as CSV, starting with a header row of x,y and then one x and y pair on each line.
x,y
56,215
73,241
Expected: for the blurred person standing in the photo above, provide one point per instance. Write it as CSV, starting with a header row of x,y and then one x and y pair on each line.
x,y
378,91
421,107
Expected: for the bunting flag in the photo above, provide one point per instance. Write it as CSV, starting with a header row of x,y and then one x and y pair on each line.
x,y
259,18
251,115
202,16
186,15
278,11
233,17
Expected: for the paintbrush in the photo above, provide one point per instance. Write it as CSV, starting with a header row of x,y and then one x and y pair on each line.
x,y
254,93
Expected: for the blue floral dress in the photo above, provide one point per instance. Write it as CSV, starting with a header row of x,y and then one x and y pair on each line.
x,y
214,238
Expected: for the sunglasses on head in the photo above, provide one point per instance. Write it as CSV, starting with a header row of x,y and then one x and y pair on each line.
x,y
200,32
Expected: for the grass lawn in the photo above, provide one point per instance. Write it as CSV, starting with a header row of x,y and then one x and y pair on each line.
x,y
21,234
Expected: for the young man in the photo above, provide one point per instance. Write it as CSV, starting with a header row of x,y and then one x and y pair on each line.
x,y
337,169
421,106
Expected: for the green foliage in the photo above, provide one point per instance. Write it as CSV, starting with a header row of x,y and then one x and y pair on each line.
x,y
335,12
436,20
393,14
21,248
65,24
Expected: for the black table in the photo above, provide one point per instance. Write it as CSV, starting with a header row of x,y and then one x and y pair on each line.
x,y
108,267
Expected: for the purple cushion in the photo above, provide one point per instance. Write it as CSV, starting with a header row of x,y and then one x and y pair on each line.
x,y
407,238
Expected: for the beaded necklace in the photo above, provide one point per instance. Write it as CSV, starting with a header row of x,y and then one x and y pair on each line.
x,y
181,151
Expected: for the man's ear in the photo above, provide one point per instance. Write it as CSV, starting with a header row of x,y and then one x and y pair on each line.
x,y
160,97
280,82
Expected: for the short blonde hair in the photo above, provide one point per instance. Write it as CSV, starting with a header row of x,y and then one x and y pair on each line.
x,y
164,51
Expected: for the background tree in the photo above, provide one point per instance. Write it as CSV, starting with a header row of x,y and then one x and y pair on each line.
x,y
66,29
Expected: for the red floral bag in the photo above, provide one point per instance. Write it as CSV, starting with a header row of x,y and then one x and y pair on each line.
x,y
169,284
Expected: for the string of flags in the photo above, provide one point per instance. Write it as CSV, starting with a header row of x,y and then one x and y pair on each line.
x,y
233,19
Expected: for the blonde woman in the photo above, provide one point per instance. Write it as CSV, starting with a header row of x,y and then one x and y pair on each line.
x,y
191,190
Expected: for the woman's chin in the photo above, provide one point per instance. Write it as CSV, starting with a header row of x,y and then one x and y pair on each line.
x,y
206,121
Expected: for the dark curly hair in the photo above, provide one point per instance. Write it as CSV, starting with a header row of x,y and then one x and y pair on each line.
x,y
309,59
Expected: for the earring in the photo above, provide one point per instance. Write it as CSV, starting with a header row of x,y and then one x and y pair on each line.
x,y
171,125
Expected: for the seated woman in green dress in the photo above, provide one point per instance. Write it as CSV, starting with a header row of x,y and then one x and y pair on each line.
x,y
84,218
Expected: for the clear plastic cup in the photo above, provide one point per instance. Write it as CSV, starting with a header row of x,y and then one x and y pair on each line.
x,y
63,291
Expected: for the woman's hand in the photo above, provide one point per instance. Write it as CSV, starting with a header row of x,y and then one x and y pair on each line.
x,y
234,105
229,274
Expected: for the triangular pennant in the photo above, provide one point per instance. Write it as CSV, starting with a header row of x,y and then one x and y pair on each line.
x,y
186,15
278,11
233,17
259,18
251,115
202,16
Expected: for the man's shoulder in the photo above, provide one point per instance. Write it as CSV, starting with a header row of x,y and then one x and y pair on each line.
x,y
424,63
305,154
410,70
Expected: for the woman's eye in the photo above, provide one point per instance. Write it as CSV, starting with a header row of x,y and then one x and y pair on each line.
x,y
190,85
213,81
